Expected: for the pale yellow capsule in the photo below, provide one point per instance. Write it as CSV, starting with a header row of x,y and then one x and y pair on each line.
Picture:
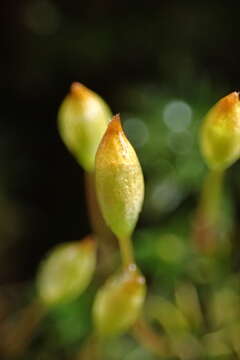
x,y
67,271
220,135
119,180
82,120
119,302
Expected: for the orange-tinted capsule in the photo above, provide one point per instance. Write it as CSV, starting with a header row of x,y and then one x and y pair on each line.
x,y
220,135
119,180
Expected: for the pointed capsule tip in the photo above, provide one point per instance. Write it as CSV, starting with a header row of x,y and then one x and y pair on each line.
x,y
89,239
115,125
234,96
78,89
89,242
227,102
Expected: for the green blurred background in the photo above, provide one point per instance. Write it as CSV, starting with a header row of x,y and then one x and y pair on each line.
x,y
161,65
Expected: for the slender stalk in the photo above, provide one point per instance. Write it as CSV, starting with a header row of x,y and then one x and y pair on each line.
x,y
206,225
150,340
91,349
97,222
107,243
211,195
99,226
17,336
126,250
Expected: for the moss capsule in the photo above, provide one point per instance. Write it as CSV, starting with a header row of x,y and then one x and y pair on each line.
x,y
82,119
119,180
119,302
66,271
220,135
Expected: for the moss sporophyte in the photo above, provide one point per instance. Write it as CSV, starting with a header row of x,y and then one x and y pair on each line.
x,y
119,183
82,120
220,145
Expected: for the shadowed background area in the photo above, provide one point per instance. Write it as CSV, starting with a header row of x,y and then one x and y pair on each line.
x,y
161,65
181,48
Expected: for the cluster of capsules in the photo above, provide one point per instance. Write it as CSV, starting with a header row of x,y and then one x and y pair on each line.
x,y
116,189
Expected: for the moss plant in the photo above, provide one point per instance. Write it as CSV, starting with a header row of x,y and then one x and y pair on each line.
x,y
119,184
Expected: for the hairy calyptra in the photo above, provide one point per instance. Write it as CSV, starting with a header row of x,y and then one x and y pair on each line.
x,y
220,135
119,180
82,120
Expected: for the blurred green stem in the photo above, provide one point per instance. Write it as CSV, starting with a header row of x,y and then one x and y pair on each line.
x,y
126,250
206,226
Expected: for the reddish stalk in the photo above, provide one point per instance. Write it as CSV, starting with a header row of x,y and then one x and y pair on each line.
x,y
207,220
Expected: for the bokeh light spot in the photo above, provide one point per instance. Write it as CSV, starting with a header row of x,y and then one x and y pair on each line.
x,y
177,115
180,143
166,196
137,131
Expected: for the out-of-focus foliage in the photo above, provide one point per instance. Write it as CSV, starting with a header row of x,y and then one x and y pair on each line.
x,y
187,290
161,68
164,130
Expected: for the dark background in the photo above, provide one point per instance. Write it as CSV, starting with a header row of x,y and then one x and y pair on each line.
x,y
187,49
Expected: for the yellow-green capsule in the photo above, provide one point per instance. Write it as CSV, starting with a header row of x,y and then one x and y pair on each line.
x,y
119,302
67,271
82,120
220,135
119,180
